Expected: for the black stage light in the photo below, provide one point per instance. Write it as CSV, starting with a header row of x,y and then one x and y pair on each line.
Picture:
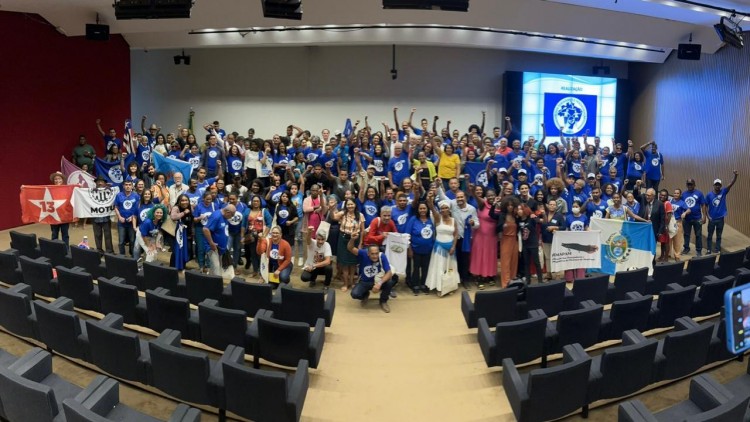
x,y
729,32
152,9
447,5
282,9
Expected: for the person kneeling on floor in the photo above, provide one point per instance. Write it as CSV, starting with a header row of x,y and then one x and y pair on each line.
x,y
374,274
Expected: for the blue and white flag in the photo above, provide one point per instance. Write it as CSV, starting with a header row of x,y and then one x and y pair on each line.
x,y
169,166
110,170
625,244
477,173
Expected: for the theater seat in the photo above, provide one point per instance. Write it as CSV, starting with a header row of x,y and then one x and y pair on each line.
x,y
78,285
10,269
674,302
728,263
37,273
622,370
25,244
664,273
221,327
710,297
118,352
580,326
626,282
708,401
117,297
199,287
248,297
591,288
56,251
552,298
276,396
697,268
522,340
60,328
494,306
100,402
548,393
127,268
741,277
158,275
165,311
18,315
684,350
306,306
630,313
286,343
90,260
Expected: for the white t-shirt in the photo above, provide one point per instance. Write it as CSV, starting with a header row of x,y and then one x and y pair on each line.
x,y
317,253
396,247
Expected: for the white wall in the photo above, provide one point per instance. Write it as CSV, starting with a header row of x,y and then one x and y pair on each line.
x,y
319,87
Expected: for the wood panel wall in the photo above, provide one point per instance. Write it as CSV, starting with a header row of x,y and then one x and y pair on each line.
x,y
699,114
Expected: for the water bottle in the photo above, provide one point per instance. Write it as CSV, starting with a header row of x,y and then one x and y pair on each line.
x,y
84,243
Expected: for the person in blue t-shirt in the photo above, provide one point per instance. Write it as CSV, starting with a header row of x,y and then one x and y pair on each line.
x,y
422,234
576,221
147,235
213,157
374,274
329,160
693,217
678,208
398,166
717,210
595,207
126,207
654,165
216,236
110,138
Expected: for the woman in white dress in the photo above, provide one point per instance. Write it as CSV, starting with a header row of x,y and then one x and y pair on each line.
x,y
444,252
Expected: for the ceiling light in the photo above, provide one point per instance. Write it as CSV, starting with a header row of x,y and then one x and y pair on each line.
x,y
182,58
729,32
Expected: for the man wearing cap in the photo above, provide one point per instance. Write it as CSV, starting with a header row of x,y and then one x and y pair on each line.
x,y
694,217
717,210
103,225
153,130
523,177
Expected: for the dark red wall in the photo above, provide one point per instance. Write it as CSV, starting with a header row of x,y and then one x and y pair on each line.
x,y
53,88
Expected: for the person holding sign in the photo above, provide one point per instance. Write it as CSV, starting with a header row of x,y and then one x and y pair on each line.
x,y
279,254
318,260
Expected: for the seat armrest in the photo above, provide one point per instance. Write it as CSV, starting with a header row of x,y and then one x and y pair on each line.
x,y
537,313
185,413
63,303
76,269
634,411
633,295
573,352
21,288
300,382
234,354
209,302
513,385
43,260
161,291
100,396
707,393
587,304
119,280
631,337
330,306
169,337
35,365
467,308
112,320
685,323
673,286
318,335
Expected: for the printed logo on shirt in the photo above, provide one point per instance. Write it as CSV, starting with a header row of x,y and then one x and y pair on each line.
x,y
614,162
274,254
399,165
690,201
145,156
597,214
237,165
212,154
128,204
283,213
144,214
236,219
194,201
378,165
482,178
370,271
402,219
577,226
312,157
426,232
655,162
275,197
637,166
194,162
371,210
115,174
576,167
716,201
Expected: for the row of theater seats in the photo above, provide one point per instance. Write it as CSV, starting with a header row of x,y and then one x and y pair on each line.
x,y
554,297
120,294
619,371
57,325
30,391
536,337
187,375
708,400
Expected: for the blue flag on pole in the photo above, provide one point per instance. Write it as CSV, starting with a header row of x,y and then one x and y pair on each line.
x,y
348,128
477,173
110,170
170,166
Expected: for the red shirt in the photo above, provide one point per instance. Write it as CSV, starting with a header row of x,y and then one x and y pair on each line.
x,y
377,232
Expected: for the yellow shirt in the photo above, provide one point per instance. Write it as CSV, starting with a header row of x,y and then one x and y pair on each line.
x,y
448,165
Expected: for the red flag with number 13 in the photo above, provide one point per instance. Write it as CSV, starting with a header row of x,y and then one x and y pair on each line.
x,y
47,204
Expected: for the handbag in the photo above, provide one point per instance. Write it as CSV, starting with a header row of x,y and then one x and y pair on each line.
x,y
449,280
169,226
226,260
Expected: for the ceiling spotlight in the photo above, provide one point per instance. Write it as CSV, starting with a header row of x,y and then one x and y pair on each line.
x,y
282,9
730,32
179,59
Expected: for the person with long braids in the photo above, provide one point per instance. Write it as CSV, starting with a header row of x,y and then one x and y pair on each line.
x,y
182,215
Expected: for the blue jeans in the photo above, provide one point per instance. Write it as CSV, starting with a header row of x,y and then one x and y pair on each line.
x,y
235,244
718,225
694,225
58,229
126,234
362,289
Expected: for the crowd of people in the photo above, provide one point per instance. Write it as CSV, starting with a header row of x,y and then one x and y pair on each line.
x,y
301,199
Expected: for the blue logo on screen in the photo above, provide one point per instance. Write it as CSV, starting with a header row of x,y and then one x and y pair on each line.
x,y
574,113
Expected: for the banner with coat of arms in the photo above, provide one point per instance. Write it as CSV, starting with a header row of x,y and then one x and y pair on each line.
x,y
625,244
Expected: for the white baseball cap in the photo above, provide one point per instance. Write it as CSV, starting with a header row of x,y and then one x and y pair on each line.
x,y
591,176
717,182
502,170
522,171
